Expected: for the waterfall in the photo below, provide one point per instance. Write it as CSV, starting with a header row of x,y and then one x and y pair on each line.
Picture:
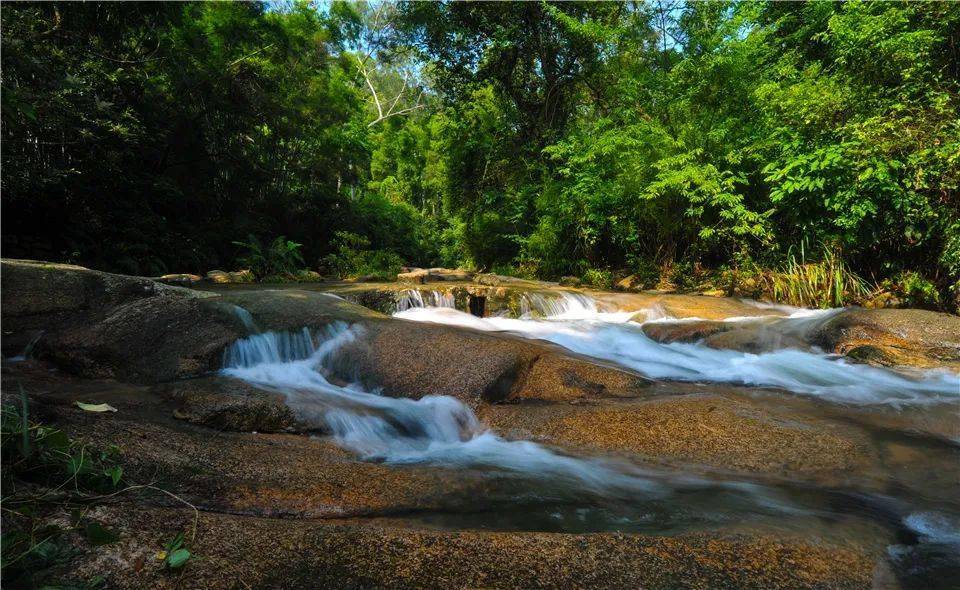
x,y
556,305
246,319
413,298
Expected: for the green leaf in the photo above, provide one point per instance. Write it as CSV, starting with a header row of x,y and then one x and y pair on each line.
x,y
96,407
177,558
98,535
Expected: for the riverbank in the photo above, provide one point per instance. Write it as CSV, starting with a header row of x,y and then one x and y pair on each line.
x,y
553,437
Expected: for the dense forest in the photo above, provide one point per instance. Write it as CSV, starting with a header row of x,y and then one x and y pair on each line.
x,y
598,140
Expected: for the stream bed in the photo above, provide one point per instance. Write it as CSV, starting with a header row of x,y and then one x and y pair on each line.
x,y
914,512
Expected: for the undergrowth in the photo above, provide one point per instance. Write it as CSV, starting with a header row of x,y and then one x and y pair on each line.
x,y
45,475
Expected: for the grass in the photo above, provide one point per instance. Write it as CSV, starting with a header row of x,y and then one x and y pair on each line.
x,y
828,282
46,473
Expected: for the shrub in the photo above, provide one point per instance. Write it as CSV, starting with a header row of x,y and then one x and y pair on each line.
x,y
282,257
353,258
828,282
600,279
915,291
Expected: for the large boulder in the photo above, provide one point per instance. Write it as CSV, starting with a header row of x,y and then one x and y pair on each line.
x,y
43,295
417,276
912,337
147,340
413,359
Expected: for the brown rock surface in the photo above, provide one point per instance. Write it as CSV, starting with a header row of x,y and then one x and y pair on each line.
x,y
911,337
223,403
240,552
721,431
412,359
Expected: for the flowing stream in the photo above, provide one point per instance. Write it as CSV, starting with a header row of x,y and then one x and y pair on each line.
x,y
574,322
541,488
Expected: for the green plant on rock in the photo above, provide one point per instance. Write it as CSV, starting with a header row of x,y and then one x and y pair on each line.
x,y
34,454
282,257
828,282
915,291
174,554
354,258
600,279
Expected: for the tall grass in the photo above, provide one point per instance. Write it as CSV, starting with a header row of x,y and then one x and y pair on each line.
x,y
827,282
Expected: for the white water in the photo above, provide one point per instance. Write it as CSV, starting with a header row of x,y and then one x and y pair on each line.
x,y
436,430
574,322
413,298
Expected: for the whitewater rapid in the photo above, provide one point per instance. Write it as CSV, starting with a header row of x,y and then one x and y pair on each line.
x,y
442,431
574,321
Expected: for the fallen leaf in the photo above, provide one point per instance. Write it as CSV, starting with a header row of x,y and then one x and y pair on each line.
x,y
96,407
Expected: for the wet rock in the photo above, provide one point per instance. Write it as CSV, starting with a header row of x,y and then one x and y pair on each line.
x,y
570,282
183,280
416,276
755,339
723,431
281,475
755,336
239,276
711,308
667,332
147,340
910,337
449,274
293,309
228,404
412,359
45,296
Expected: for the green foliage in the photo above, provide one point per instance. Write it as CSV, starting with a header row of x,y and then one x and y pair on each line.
x,y
600,279
353,258
827,282
281,258
550,137
175,554
42,455
915,291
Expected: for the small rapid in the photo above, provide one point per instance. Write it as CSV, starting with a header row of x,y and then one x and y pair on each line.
x,y
535,487
413,298
442,431
574,321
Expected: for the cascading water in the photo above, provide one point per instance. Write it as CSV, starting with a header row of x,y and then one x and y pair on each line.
x,y
532,483
434,429
440,430
413,298
574,322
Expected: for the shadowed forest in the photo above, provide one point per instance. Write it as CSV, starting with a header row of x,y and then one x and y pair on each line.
x,y
774,144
